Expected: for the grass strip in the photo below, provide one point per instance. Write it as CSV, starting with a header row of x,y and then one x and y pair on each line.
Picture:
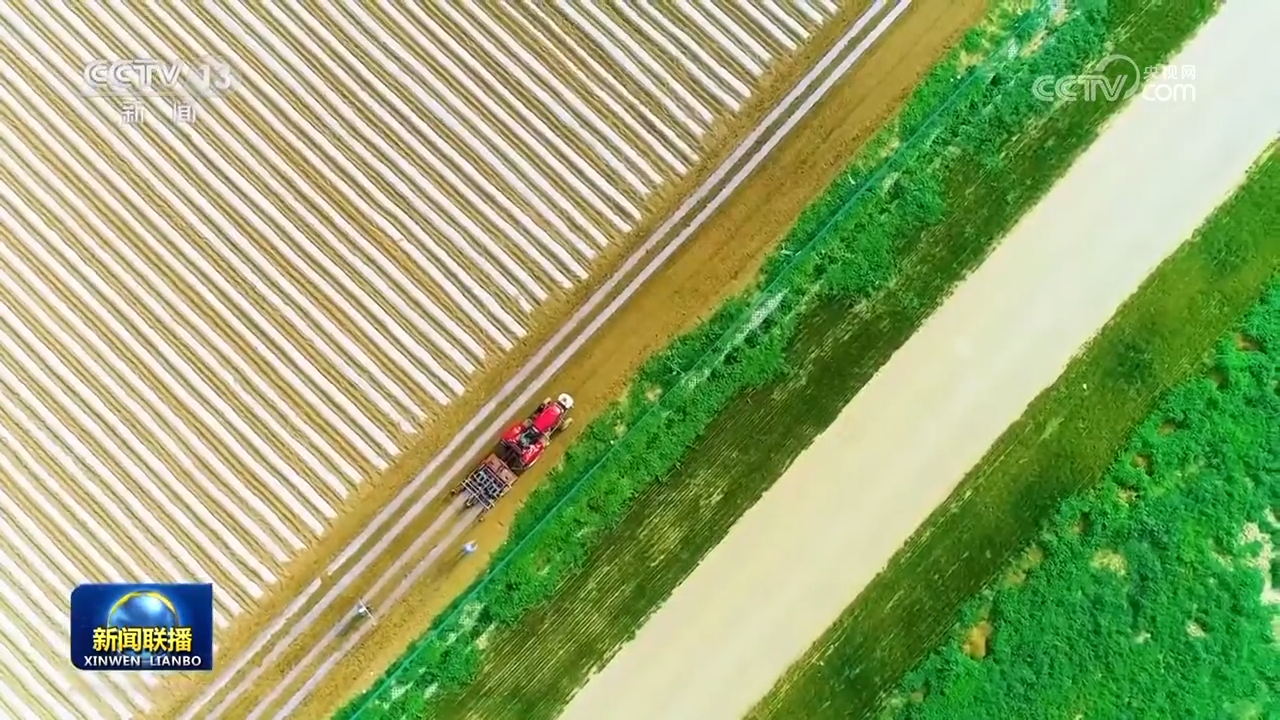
x,y
970,151
1140,597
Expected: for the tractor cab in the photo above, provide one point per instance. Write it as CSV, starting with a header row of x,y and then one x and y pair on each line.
x,y
546,419
523,443
522,457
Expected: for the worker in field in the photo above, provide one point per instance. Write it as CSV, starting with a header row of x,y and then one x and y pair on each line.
x,y
363,610
470,547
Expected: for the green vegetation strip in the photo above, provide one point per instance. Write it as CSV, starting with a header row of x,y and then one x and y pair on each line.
x,y
1141,597
631,509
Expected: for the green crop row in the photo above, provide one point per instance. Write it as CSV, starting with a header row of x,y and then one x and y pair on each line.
x,y
1075,654
1144,596
956,131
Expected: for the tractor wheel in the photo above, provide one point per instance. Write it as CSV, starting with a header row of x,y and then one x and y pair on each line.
x,y
564,425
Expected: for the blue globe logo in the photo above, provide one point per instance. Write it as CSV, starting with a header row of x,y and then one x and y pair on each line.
x,y
143,609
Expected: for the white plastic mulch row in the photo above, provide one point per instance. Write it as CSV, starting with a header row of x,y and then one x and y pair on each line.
x,y
214,331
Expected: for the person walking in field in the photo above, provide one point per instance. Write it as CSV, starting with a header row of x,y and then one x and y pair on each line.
x,y
470,547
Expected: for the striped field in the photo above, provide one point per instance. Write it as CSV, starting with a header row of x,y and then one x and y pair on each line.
x,y
213,332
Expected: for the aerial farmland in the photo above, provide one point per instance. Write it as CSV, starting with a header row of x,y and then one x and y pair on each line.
x,y
218,326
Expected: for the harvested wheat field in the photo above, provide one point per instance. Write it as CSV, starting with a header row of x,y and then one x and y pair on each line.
x,y
215,332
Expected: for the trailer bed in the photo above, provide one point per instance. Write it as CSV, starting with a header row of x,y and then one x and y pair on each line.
x,y
487,483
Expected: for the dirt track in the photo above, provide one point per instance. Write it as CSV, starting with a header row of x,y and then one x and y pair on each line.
x,y
717,260
795,560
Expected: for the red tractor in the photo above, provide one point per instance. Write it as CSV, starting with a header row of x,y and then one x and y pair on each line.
x,y
523,443
521,446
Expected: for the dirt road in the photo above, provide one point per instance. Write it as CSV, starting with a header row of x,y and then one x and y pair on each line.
x,y
794,561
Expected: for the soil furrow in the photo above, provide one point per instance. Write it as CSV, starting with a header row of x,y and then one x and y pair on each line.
x,y
594,73
587,47
613,41
330,214
121,417
591,146
458,197
268,133
619,115
374,113
536,87
152,323
679,70
615,134
733,20
159,323
39,657
693,40
371,222
485,224
547,170
178,222
487,34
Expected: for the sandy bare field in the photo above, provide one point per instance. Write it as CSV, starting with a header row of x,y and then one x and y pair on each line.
x,y
216,331
797,558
